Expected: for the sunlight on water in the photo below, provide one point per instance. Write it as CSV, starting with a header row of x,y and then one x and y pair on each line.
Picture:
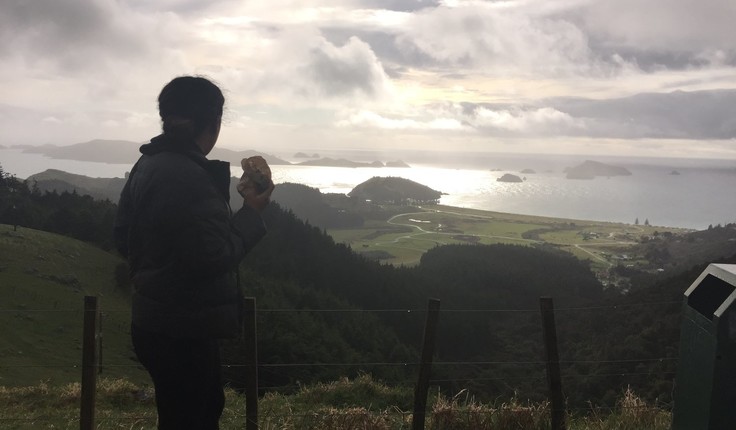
x,y
694,199
700,195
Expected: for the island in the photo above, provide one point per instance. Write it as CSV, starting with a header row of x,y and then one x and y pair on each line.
x,y
590,169
508,177
674,173
528,171
395,190
304,155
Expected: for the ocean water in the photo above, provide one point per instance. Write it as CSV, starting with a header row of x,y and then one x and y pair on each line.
x,y
703,193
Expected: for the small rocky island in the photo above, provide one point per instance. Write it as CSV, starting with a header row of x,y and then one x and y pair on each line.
x,y
590,169
528,171
508,177
395,190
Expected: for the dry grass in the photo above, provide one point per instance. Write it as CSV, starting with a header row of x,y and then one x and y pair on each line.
x,y
463,412
360,404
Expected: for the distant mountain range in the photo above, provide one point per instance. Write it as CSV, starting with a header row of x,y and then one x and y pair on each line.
x,y
126,152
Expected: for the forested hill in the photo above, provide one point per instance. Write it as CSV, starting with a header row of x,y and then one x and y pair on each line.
x,y
300,268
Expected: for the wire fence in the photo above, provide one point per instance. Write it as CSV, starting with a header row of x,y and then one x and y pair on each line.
x,y
532,370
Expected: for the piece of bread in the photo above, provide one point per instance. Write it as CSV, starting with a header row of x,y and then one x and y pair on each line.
x,y
256,174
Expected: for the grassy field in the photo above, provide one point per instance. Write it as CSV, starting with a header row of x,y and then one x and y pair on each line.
x,y
361,403
44,278
402,239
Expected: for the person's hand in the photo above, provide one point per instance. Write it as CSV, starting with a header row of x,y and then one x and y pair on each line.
x,y
255,199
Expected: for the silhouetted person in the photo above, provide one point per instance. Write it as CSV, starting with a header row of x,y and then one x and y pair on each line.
x,y
183,245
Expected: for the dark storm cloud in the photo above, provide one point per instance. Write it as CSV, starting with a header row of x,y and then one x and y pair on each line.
x,y
661,34
657,59
69,32
678,115
398,5
181,7
675,115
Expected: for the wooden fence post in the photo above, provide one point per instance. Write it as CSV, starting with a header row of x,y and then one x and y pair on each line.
x,y
552,358
251,362
89,362
425,366
99,342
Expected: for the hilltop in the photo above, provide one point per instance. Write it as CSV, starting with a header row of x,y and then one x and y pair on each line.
x,y
394,190
60,181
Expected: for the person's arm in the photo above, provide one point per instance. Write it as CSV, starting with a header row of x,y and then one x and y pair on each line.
x,y
207,240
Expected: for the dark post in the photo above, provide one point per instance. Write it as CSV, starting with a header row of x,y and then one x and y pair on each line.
x,y
251,362
89,375
99,342
554,380
425,366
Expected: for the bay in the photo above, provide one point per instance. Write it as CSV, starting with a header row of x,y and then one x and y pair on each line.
x,y
702,193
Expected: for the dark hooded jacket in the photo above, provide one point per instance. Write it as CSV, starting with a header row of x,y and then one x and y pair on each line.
x,y
175,227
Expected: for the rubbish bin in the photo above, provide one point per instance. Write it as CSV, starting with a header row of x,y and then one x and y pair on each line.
x,y
705,388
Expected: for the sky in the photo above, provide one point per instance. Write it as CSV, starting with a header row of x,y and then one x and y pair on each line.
x,y
623,77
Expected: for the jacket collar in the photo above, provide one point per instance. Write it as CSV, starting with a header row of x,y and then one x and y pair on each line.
x,y
219,171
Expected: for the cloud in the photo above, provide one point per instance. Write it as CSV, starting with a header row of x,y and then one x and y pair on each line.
x,y
338,69
345,70
73,34
398,5
663,25
500,41
675,115
52,120
300,65
368,119
678,115
539,121
663,34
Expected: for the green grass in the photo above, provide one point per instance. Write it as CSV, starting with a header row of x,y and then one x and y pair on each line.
x,y
44,279
409,235
362,403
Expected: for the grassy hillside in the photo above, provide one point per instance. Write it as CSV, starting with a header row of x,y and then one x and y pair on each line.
x,y
44,278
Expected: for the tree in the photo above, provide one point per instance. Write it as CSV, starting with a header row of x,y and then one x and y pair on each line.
x,y
636,221
646,221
